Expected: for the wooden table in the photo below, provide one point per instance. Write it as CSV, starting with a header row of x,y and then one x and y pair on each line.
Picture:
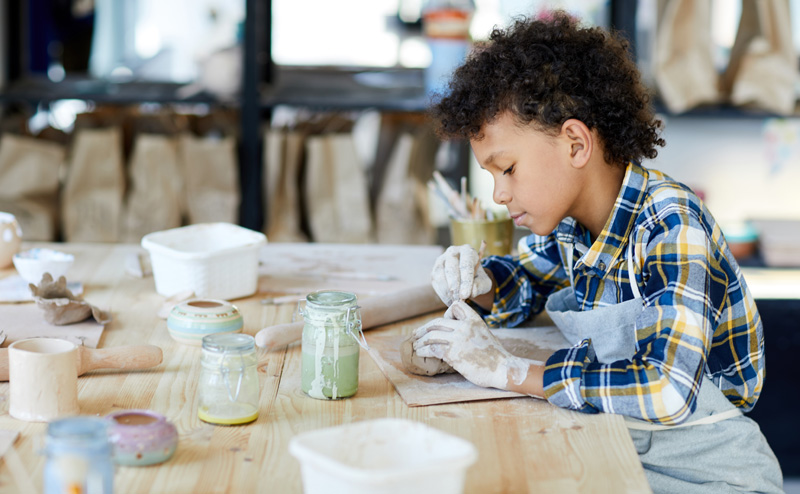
x,y
525,444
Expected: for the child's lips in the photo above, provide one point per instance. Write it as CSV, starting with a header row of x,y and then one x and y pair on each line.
x,y
518,218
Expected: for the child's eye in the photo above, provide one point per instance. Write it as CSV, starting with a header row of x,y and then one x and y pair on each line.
x,y
508,170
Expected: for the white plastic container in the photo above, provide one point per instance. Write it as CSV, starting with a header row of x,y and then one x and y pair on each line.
x,y
384,456
214,260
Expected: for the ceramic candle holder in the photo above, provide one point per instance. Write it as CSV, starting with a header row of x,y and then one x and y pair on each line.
x,y
190,321
141,437
10,238
43,379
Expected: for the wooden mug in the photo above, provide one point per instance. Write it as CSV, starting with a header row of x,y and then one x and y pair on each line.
x,y
43,379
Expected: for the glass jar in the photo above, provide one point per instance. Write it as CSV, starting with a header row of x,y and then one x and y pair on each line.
x,y
228,384
78,457
330,346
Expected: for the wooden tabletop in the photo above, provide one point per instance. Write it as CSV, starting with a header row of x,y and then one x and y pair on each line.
x,y
524,444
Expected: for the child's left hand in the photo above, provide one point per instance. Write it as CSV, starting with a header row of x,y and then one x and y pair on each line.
x,y
463,340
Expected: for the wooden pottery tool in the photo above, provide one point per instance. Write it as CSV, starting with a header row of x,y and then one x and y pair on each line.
x,y
375,311
89,359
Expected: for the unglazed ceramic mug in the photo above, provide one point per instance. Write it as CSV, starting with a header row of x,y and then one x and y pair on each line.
x,y
43,379
10,238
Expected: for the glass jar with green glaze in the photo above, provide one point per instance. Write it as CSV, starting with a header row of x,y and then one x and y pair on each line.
x,y
330,346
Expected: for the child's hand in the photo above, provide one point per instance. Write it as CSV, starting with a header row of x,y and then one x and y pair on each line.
x,y
463,340
458,275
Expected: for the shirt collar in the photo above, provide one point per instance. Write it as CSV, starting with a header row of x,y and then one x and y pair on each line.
x,y
608,247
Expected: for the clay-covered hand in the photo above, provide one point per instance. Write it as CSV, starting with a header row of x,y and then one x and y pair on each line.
x,y
463,340
458,275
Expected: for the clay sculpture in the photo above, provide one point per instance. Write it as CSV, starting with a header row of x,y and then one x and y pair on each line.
x,y
59,304
423,366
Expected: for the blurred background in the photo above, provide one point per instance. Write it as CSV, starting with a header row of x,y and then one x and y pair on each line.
x,y
121,117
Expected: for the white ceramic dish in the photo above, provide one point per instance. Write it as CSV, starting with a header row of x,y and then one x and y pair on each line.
x,y
384,456
213,260
33,263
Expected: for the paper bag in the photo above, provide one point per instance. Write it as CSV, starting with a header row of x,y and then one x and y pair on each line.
x,y
155,196
401,210
29,171
211,178
684,66
92,199
763,66
283,160
336,190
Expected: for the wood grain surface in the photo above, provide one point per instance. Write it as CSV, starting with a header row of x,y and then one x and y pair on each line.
x,y
525,444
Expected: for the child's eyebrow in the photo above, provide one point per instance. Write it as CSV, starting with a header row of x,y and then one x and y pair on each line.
x,y
492,157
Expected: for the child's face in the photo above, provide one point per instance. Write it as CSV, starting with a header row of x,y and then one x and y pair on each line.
x,y
533,173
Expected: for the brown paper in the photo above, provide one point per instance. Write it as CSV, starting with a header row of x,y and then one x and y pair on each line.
x,y
531,343
211,178
22,321
155,194
763,65
336,191
401,209
283,159
92,198
684,66
29,171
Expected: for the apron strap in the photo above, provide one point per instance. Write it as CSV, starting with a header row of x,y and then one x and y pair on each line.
x,y
641,425
631,264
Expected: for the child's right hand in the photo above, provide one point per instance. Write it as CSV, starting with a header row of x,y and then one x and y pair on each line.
x,y
458,275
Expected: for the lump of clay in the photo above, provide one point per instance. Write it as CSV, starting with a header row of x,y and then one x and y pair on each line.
x,y
59,304
423,366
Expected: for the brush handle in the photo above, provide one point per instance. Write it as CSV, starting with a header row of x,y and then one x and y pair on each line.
x,y
375,311
89,359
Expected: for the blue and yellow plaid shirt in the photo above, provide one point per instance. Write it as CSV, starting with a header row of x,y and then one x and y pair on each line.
x,y
698,317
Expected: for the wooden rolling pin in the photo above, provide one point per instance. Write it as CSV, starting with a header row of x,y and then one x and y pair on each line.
x,y
375,311
89,359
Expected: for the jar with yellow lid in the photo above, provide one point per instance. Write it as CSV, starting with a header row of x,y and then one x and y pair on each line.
x,y
228,384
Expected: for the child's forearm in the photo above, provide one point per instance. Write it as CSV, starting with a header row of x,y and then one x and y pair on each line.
x,y
533,385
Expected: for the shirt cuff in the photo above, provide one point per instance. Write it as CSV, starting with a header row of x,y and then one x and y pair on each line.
x,y
563,376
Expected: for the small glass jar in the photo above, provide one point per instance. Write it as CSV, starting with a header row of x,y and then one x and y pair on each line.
x,y
330,346
78,457
228,384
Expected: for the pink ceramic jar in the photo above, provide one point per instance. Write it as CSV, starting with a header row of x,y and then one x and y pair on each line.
x,y
141,437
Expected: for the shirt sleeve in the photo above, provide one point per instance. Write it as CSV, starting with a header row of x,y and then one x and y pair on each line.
x,y
684,293
524,282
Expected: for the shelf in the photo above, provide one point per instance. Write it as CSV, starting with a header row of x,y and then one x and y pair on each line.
x,y
42,90
348,89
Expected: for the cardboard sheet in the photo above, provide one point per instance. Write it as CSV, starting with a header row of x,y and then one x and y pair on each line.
x,y
535,343
20,321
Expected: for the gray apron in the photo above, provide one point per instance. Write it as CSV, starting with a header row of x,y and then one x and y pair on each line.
x,y
716,450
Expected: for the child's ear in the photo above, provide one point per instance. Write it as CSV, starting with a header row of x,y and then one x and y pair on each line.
x,y
580,141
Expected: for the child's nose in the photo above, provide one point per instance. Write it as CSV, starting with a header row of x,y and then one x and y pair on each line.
x,y
500,195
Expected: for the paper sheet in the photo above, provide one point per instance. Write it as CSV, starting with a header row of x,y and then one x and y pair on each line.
x,y
536,343
20,321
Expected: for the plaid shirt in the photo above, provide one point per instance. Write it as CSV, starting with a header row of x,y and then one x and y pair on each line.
x,y
698,317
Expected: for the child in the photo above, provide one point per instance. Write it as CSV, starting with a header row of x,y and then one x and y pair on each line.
x,y
628,263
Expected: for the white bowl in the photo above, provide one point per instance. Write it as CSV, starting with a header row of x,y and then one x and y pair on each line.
x,y
32,264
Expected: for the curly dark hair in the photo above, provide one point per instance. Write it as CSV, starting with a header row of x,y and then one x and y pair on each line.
x,y
546,71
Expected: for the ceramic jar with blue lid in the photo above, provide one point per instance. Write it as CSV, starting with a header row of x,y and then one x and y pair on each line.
x,y
190,321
